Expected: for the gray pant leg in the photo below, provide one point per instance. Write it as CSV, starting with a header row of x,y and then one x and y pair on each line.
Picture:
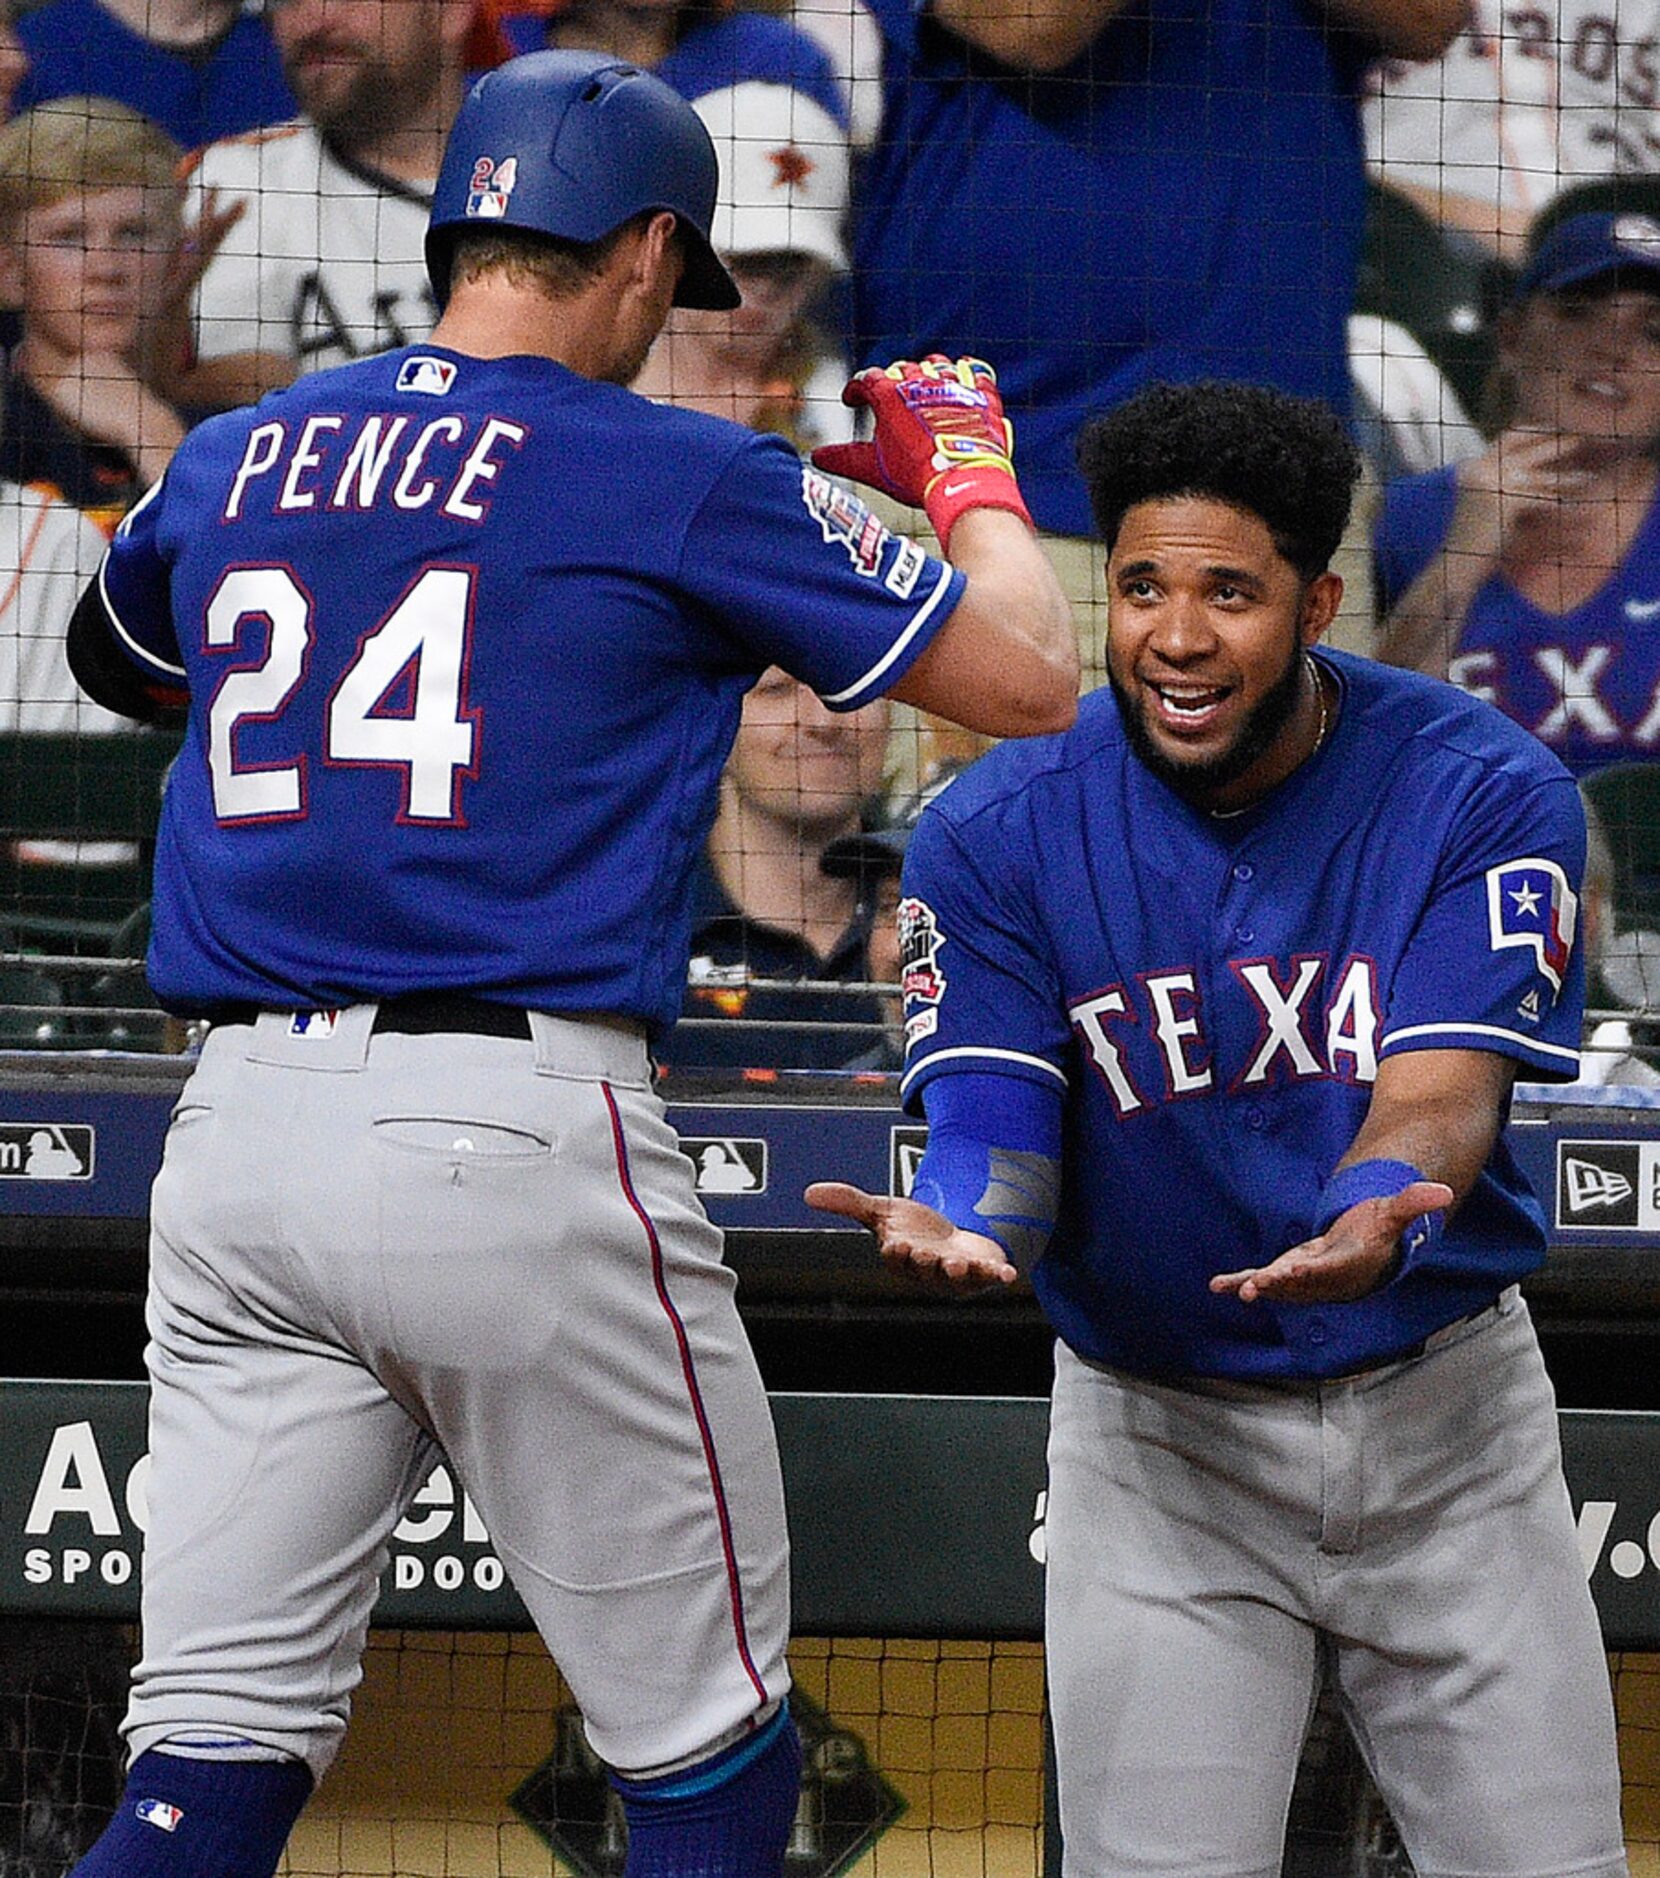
x,y
1181,1674
279,1467
1469,1654
608,1420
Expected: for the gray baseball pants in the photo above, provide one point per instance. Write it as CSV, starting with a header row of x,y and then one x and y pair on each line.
x,y
366,1248
1203,1540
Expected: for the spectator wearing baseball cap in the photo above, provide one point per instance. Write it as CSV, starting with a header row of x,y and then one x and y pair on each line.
x,y
874,858
1530,574
779,228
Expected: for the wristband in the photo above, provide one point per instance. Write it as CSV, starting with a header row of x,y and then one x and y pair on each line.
x,y
1380,1180
982,485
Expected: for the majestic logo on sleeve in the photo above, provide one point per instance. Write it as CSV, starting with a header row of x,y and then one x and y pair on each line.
x,y
1530,904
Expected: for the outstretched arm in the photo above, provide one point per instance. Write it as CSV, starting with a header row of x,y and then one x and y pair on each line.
x,y
1402,29
1432,1123
986,1192
1030,35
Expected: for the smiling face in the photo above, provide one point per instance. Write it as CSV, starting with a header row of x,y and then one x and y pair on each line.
x,y
800,764
1587,361
1206,630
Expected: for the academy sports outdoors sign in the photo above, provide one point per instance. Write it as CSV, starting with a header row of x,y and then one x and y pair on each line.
x,y
887,1496
909,1516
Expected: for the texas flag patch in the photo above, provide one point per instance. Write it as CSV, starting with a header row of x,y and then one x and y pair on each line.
x,y
159,1813
1530,904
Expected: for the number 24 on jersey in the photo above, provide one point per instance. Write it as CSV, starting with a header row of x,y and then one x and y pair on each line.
x,y
419,650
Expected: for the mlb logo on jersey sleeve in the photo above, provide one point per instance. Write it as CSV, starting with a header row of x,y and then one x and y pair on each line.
x,y
426,374
159,1813
1530,904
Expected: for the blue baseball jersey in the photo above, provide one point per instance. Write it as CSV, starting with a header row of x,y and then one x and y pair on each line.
x,y
1212,997
1587,682
1185,200
465,643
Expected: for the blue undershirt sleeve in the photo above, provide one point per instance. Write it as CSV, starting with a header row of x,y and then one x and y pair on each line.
x,y
993,1160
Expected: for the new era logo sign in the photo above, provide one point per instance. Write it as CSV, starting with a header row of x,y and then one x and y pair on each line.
x,y
1592,1186
45,1151
726,1163
1604,1184
906,1154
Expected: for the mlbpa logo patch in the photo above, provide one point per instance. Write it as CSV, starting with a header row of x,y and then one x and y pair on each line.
x,y
159,1813
491,185
429,375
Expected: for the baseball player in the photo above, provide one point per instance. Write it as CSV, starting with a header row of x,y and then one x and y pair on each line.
x,y
463,632
1213,1006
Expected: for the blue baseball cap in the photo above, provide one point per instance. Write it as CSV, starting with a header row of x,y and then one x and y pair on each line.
x,y
1585,247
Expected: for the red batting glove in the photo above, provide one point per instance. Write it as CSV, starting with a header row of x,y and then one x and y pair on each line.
x,y
942,442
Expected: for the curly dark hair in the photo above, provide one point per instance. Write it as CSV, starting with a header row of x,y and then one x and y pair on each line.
x,y
1287,460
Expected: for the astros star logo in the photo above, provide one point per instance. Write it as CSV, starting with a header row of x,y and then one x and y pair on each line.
x,y
1527,901
791,166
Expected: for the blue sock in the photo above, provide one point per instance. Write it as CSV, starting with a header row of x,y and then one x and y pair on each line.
x,y
183,1818
728,1817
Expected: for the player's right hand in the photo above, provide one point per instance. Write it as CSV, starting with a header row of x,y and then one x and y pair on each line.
x,y
917,1243
941,440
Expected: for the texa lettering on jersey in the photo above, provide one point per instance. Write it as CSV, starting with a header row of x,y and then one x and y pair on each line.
x,y
1311,1022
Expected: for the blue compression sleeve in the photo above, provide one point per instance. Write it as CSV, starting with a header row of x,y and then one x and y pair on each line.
x,y
993,1161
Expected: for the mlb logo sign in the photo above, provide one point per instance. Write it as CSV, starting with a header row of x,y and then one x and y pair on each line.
x,y
491,185
159,1813
46,1151
726,1163
425,374
1606,1184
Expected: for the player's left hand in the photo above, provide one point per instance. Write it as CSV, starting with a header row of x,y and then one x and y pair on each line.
x,y
916,1242
1352,1257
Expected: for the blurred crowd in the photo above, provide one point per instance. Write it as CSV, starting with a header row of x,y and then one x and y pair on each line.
x,y
1442,217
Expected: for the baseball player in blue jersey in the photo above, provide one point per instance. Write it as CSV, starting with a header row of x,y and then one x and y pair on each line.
x,y
463,631
1214,1005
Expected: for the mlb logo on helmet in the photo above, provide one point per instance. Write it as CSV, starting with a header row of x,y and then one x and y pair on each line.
x,y
159,1813
492,183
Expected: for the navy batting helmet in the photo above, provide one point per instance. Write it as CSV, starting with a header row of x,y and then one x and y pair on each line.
x,y
573,144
